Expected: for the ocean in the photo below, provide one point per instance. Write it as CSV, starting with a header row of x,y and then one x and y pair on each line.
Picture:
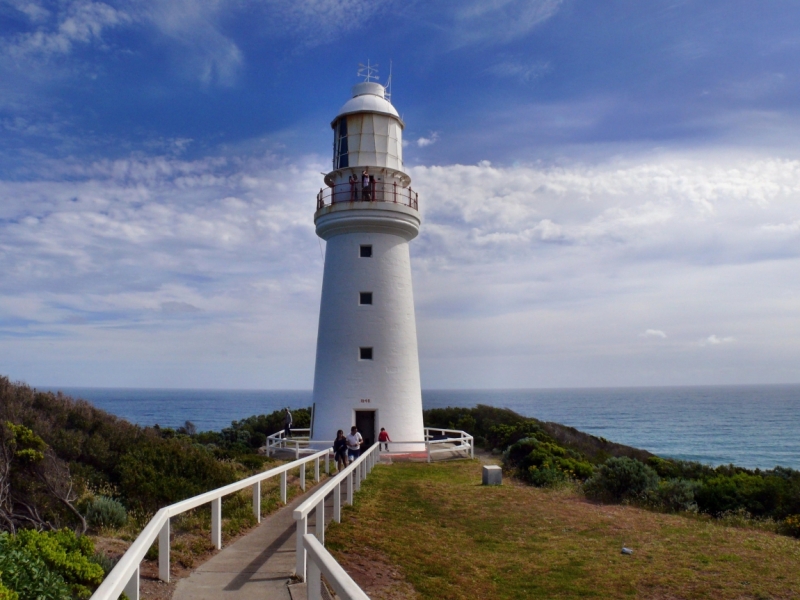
x,y
750,426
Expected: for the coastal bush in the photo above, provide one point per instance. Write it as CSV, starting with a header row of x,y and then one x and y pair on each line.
x,y
5,593
102,511
544,463
758,495
674,495
790,526
620,479
25,571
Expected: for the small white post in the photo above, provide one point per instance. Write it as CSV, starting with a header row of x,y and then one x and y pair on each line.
x,y
314,584
350,487
327,463
300,550
316,469
337,503
472,447
296,450
132,587
216,523
257,501
303,477
320,514
428,448
163,553
283,487
357,473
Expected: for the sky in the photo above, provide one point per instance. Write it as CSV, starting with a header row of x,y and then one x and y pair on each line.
x,y
610,191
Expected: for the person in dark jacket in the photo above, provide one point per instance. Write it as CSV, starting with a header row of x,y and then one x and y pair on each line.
x,y
340,450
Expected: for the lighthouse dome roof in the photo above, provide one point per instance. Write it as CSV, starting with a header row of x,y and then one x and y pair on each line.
x,y
368,96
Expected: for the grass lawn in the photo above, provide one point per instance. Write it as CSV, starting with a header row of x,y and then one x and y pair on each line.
x,y
432,531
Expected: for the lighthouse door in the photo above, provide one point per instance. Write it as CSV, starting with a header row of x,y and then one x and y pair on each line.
x,y
365,421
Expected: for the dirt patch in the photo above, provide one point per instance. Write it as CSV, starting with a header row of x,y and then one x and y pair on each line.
x,y
374,573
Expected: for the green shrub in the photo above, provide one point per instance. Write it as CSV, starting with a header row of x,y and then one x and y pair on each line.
x,y
760,496
790,526
674,495
27,575
5,593
65,554
621,479
106,512
544,463
104,561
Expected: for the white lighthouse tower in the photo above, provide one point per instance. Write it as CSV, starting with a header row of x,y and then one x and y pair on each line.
x,y
367,368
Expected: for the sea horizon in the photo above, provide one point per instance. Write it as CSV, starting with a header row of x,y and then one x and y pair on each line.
x,y
750,425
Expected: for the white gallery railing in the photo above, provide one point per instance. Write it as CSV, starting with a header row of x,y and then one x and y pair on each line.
x,y
124,577
437,442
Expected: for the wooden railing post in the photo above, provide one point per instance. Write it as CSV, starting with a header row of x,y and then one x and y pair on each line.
x,y
337,503
283,487
303,477
132,587
320,515
163,553
350,486
216,523
314,585
316,469
257,501
299,549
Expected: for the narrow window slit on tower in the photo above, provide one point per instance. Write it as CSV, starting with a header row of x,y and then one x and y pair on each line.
x,y
366,251
365,353
365,298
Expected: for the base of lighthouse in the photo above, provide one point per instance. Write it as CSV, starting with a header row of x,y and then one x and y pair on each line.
x,y
367,366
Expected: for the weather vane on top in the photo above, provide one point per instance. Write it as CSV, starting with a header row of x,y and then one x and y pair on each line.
x,y
368,71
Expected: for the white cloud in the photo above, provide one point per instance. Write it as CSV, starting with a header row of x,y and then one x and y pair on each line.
x,y
655,333
523,276
81,22
522,70
713,340
499,21
432,138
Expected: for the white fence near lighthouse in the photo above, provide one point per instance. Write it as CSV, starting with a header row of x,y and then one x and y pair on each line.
x,y
438,443
312,560
124,577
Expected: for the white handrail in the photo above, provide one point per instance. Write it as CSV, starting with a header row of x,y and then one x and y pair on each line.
x,y
322,563
124,577
354,473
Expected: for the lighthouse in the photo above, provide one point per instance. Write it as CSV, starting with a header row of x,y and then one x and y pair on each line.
x,y
367,364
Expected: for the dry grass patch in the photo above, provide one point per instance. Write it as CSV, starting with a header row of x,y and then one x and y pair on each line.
x,y
452,538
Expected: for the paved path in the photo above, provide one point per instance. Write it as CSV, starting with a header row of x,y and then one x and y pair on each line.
x,y
258,565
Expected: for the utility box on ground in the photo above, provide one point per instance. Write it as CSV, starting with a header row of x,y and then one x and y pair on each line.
x,y
492,475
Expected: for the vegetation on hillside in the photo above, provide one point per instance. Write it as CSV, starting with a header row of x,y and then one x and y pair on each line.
x,y
431,531
548,454
66,466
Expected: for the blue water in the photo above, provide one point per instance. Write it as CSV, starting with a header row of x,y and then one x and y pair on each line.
x,y
751,426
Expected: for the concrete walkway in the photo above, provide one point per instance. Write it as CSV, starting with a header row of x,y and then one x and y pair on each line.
x,y
258,565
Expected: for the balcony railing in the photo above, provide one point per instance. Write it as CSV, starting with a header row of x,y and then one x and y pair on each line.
x,y
377,191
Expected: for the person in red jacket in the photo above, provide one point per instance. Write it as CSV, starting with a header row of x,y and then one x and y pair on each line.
x,y
383,438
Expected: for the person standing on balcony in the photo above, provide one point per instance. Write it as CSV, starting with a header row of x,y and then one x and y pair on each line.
x,y
340,450
354,441
365,191
287,423
353,180
383,439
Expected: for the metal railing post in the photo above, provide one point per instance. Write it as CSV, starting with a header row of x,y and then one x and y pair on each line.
x,y
131,588
303,477
316,469
299,549
257,501
216,523
283,487
163,553
314,585
337,503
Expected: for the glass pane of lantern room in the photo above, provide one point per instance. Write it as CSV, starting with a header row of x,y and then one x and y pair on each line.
x,y
381,144
367,124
